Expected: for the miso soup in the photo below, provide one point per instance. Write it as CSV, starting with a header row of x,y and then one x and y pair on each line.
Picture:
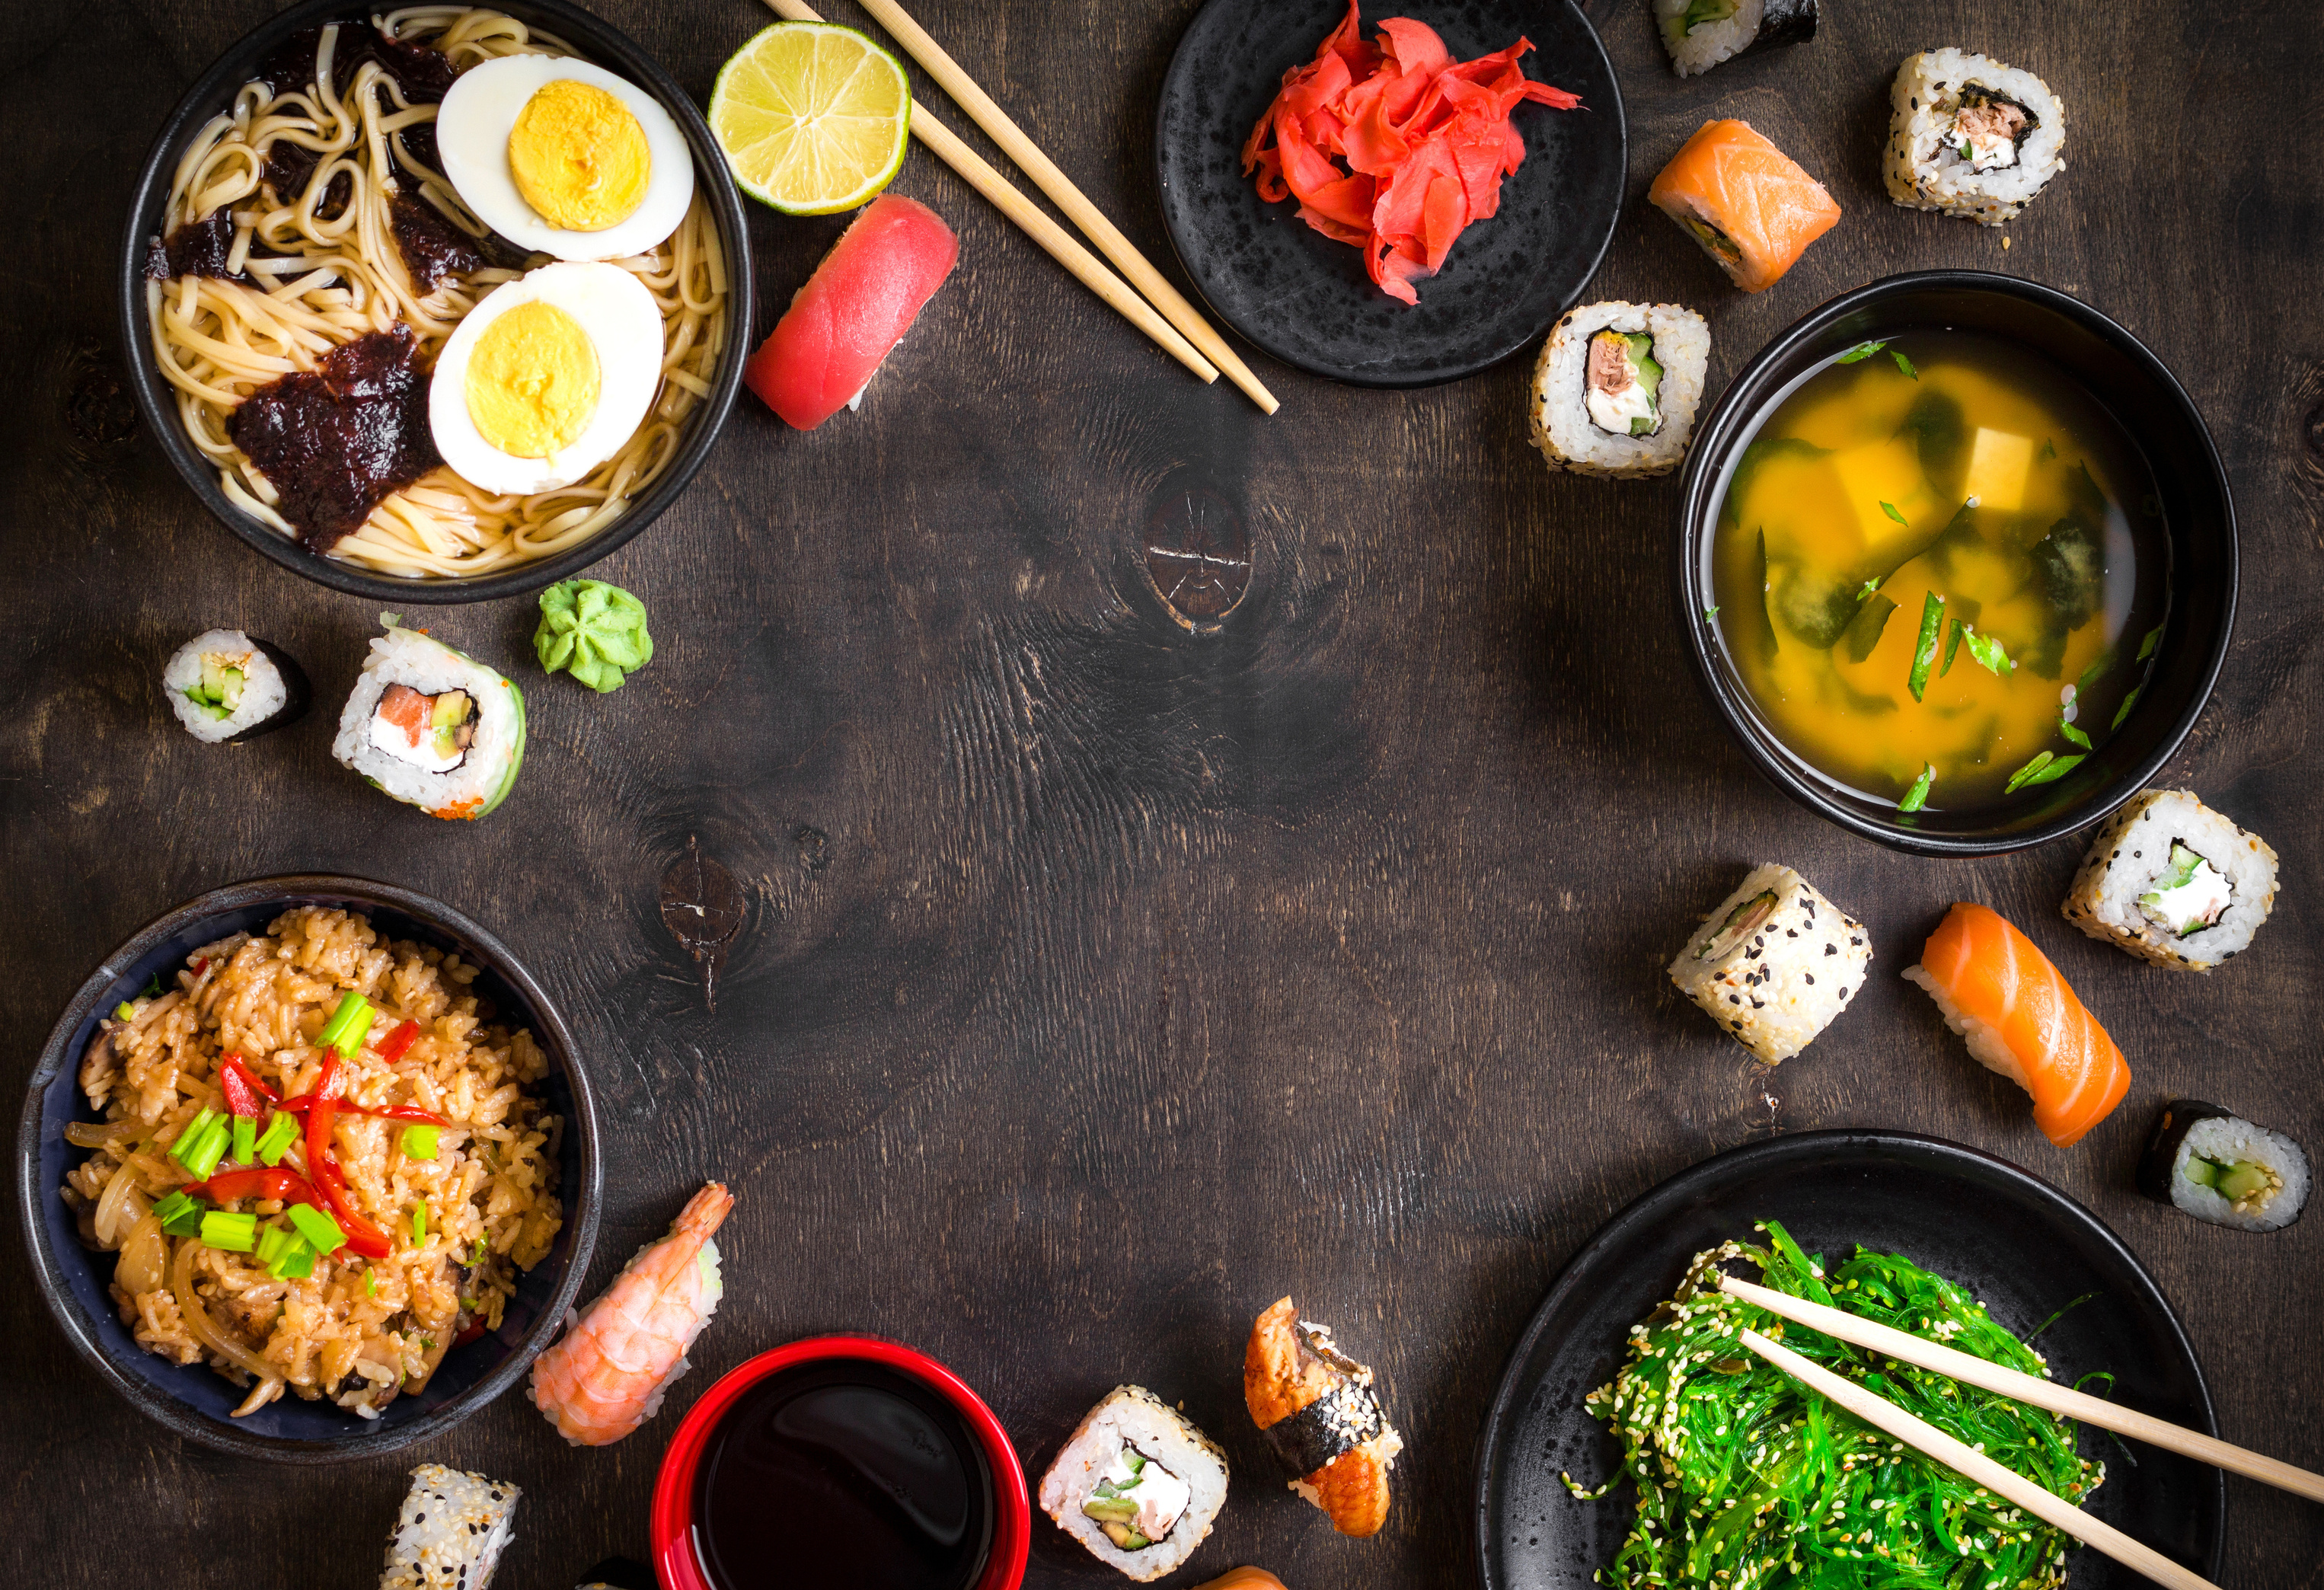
x,y
1940,569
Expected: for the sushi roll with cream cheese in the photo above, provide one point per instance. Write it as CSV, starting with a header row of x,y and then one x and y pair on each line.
x,y
432,727
1701,33
1970,137
1774,963
451,1532
1616,388
2175,882
1319,1413
2222,1169
1136,1483
226,688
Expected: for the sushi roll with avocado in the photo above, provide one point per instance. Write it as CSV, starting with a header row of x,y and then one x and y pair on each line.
x,y
1616,388
1774,963
1701,33
1970,137
226,688
451,1532
432,727
1136,1483
2222,1169
2175,882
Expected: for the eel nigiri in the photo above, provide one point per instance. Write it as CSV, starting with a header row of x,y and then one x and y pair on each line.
x,y
2021,1019
1318,1410
1752,209
853,312
606,1374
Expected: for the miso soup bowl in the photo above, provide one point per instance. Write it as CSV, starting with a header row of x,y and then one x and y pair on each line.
x,y
2154,412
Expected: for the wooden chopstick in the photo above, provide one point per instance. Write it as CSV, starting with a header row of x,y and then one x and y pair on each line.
x,y
1061,244
1882,1414
2031,1389
1049,180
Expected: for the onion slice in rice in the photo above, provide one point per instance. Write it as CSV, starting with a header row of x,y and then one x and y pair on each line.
x,y
118,1207
144,1264
97,1134
198,1320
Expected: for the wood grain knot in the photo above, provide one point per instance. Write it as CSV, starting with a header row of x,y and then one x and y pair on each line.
x,y
98,410
703,908
1197,554
2307,453
814,849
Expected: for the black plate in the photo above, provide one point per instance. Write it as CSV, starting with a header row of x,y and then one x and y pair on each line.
x,y
2023,1248
190,1400
596,41
1305,299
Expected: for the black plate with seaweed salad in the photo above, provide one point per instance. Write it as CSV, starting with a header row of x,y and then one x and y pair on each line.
x,y
2025,1250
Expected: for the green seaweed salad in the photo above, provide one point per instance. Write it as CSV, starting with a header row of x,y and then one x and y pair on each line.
x,y
1747,1478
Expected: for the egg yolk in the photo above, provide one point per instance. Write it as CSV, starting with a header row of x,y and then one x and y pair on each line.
x,y
579,157
532,381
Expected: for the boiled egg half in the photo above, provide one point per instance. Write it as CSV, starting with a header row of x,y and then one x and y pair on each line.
x,y
546,378
564,158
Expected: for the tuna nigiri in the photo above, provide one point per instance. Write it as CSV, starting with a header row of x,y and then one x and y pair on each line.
x,y
2021,1019
853,312
1744,201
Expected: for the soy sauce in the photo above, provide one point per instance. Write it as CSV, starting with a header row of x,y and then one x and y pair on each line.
x,y
842,1473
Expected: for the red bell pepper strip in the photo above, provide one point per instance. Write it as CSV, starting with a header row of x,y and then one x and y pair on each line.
x,y
302,1103
363,1236
246,1095
469,1335
284,1185
399,1040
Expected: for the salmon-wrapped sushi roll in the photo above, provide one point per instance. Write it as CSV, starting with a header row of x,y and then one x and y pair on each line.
x,y
1318,1410
1746,201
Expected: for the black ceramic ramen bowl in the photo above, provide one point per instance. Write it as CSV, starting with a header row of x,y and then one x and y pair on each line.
x,y
600,43
2153,410
2027,1252
1305,299
192,1400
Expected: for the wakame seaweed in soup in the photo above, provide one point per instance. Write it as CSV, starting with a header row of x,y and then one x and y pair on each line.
x,y
1939,569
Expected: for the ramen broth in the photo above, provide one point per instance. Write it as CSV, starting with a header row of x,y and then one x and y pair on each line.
x,y
1959,467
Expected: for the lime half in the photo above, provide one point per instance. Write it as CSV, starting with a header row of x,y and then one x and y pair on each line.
x,y
814,118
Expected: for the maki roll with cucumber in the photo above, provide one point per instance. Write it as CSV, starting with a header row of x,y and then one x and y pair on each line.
x,y
226,688
432,727
1616,388
1701,33
2173,883
2224,1170
1136,1483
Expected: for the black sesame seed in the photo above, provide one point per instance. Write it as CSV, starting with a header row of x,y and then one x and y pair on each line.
x,y
1831,949
1734,999
1810,977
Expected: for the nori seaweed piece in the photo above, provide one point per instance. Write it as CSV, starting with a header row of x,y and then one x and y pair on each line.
x,y
1940,432
1864,634
297,694
1784,23
2179,1117
1815,606
1340,1421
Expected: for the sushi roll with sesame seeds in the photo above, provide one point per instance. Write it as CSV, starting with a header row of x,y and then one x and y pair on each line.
x,y
1970,137
1615,387
1775,963
1321,1414
451,1532
2173,883
1136,1484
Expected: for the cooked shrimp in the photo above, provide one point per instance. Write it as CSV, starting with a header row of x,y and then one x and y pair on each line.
x,y
606,1374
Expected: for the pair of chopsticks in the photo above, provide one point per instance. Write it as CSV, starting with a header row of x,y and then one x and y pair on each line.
x,y
1882,1414
1178,326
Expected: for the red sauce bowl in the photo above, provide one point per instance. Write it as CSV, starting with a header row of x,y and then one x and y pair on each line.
x,y
678,1564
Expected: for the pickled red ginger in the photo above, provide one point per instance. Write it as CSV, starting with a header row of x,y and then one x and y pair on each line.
x,y
1426,141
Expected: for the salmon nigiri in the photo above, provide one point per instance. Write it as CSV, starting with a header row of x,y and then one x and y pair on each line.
x,y
2021,1019
1745,201
853,312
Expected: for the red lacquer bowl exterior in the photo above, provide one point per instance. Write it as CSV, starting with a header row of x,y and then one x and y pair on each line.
x,y
676,1563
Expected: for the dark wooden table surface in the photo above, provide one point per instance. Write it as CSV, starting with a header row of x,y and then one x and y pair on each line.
x,y
1102,982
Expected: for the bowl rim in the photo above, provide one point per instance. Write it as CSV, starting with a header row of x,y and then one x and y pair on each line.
x,y
360,1441
157,407
1729,418
673,1524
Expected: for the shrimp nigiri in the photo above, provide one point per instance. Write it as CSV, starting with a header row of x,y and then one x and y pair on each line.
x,y
2021,1019
606,1374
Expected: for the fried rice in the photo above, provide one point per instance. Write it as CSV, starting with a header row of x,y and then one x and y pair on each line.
x,y
357,1331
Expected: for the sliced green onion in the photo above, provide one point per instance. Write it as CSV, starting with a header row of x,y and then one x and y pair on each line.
x,y
418,1222
1924,650
476,1254
1709,614
2128,702
193,1133
1903,364
152,989
2043,769
419,1142
371,1281
237,1234
1860,352
318,1228
1917,796
1890,509
2057,768
273,1240
349,1025
1953,633
2146,647
124,1011
180,1214
295,1262
1987,653
245,1140
2073,733
1870,588
202,1144
275,1142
